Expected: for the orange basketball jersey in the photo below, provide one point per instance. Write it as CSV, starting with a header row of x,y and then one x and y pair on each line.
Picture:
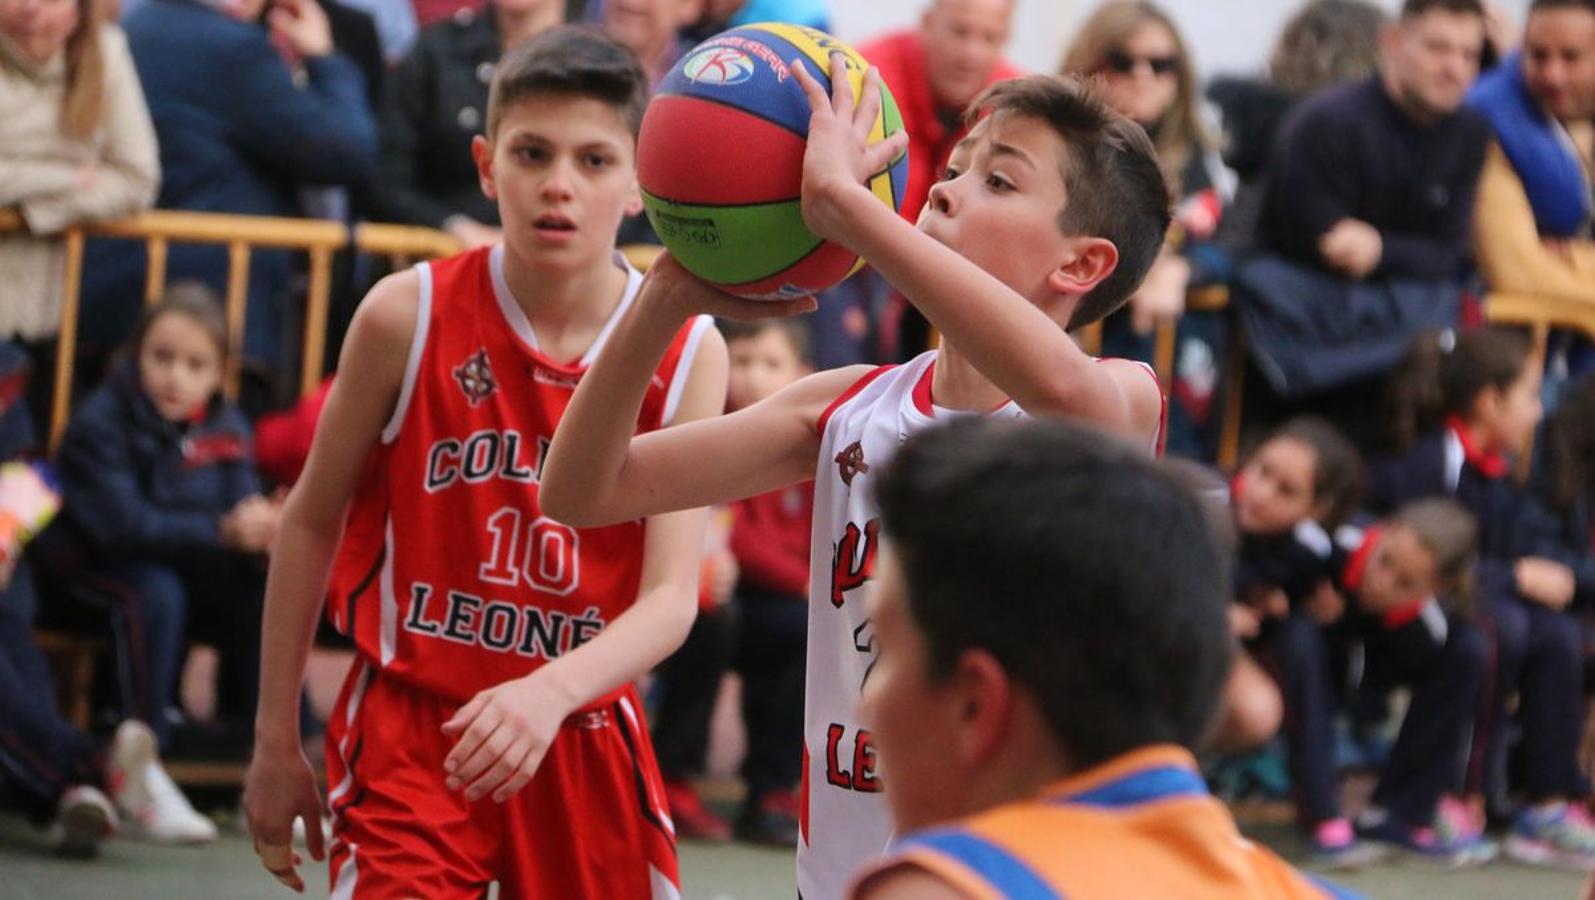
x,y
1139,825
449,576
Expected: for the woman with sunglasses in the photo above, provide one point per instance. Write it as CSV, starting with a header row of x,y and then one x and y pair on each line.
x,y
1145,70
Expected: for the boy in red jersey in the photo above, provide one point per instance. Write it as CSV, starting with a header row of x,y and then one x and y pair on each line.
x,y
1046,219
489,730
1040,687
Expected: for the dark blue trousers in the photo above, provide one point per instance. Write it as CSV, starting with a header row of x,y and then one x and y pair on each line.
x,y
41,753
1538,657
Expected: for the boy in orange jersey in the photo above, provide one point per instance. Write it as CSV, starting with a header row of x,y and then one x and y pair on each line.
x,y
1046,218
1053,639
489,730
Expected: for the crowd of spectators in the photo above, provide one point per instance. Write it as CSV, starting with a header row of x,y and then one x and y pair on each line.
x,y
1359,198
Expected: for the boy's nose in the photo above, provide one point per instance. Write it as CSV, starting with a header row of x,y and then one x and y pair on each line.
x,y
942,198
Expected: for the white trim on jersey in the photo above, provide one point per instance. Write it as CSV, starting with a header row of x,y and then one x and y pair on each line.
x,y
633,284
355,697
660,887
678,382
522,326
390,603
343,887
412,362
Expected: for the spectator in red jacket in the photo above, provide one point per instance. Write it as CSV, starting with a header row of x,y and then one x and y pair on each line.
x,y
933,72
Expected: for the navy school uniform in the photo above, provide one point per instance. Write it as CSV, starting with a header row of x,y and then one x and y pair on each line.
x,y
1537,649
1438,655
145,497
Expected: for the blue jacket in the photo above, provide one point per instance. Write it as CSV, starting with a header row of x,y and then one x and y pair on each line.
x,y
1537,146
237,135
139,487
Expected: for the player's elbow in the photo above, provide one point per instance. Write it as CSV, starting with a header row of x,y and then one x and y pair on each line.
x,y
567,504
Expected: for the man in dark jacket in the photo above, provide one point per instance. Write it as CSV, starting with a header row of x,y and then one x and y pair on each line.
x,y
240,132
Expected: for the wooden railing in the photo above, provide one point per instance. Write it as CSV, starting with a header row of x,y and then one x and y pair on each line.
x,y
241,235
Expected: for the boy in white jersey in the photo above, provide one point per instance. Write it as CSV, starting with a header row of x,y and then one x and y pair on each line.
x,y
1047,218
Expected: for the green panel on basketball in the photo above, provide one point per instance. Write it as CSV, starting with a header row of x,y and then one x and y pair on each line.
x,y
720,160
738,243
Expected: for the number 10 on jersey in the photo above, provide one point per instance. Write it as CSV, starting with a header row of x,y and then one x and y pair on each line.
x,y
541,554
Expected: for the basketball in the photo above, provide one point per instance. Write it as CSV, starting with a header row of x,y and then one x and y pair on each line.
x,y
720,161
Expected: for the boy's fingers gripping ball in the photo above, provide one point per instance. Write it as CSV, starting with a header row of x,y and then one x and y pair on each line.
x,y
720,160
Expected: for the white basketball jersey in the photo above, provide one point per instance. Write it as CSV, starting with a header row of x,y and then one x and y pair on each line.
x,y
845,822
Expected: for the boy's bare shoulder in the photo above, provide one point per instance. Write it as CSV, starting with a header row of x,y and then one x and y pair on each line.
x,y
813,394
1143,395
386,318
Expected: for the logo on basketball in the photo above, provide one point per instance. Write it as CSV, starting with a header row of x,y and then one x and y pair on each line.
x,y
722,66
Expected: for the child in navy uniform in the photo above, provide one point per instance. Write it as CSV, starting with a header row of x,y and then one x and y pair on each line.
x,y
159,480
1466,402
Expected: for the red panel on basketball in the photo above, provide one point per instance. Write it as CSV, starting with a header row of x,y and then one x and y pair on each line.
x,y
825,266
688,138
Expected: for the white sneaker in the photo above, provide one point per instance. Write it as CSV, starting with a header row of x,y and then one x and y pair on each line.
x,y
83,818
154,807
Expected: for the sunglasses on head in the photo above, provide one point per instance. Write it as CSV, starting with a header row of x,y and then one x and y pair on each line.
x,y
1123,63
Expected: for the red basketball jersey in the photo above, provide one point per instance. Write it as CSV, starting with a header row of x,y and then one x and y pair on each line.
x,y
449,576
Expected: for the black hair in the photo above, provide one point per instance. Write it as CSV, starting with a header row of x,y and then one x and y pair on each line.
x,y
1337,466
1570,446
1114,186
1087,570
1445,371
569,61
796,334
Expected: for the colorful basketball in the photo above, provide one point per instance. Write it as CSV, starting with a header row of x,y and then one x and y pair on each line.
x,y
720,160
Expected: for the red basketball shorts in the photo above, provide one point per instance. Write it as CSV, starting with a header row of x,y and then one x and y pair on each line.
x,y
592,823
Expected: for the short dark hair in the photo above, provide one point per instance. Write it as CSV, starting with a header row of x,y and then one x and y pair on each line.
x,y
1586,5
1115,188
1444,371
194,301
1031,540
795,333
1411,9
574,61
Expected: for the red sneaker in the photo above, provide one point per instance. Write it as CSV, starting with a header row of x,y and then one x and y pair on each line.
x,y
694,820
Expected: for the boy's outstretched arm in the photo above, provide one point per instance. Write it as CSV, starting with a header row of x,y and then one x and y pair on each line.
x,y
280,785
598,473
1007,338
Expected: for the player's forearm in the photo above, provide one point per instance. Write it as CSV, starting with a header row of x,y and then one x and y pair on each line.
x,y
583,476
634,643
300,562
1007,338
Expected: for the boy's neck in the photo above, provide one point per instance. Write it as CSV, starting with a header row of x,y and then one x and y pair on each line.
x,y
565,309
958,385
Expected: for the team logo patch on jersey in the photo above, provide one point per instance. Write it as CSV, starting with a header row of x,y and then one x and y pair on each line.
x,y
476,377
850,462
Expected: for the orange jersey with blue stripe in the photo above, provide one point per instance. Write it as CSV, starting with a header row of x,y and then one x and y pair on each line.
x,y
1140,825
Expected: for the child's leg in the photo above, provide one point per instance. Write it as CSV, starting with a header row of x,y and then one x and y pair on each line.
x,y
229,619
1507,622
41,754
1550,706
1446,674
1298,650
592,823
1252,709
691,682
397,831
771,660
157,624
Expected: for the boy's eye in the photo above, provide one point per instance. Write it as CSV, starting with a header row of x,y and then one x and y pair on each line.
x,y
949,173
530,154
998,183
597,160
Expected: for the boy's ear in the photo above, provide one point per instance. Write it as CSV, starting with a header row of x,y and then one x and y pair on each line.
x,y
1088,262
634,198
986,696
482,155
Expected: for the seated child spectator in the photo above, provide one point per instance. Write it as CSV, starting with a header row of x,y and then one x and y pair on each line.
x,y
762,633
1563,503
1040,688
1317,595
160,484
1465,402
59,775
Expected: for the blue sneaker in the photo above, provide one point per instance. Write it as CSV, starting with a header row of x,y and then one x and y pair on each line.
x,y
1426,843
1559,836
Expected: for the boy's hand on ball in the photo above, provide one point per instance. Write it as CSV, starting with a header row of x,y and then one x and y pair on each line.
x,y
503,734
669,281
840,159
